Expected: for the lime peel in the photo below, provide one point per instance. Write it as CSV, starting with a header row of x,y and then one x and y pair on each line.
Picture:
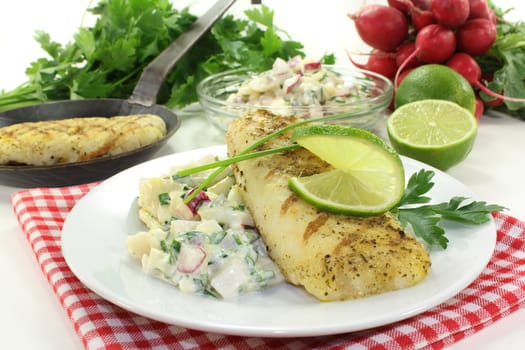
x,y
368,178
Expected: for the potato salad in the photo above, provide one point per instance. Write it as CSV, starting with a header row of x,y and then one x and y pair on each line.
x,y
207,246
299,86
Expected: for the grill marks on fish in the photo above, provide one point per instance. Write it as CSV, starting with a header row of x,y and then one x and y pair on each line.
x,y
334,257
314,225
287,203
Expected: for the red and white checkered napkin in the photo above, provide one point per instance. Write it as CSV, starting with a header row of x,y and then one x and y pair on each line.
x,y
498,291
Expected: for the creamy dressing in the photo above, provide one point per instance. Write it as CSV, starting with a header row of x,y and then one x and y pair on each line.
x,y
299,86
209,246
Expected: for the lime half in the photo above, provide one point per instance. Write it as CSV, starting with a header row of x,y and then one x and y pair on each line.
x,y
437,132
368,177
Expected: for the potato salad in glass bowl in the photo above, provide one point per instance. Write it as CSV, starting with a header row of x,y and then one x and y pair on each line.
x,y
299,87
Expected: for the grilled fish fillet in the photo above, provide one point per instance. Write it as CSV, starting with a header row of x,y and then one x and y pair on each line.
x,y
77,139
334,257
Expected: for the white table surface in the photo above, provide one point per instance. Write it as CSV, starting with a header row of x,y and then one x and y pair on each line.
x,y
31,316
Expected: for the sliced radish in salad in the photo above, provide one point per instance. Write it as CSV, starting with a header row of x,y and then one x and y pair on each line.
x,y
190,258
230,278
195,203
281,67
291,83
312,65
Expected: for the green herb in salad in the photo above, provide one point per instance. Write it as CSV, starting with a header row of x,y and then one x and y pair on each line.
x,y
164,198
106,60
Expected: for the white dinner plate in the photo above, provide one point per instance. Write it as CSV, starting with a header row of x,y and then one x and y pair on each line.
x,y
94,246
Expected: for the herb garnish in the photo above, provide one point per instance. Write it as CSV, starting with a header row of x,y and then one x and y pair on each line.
x,y
424,220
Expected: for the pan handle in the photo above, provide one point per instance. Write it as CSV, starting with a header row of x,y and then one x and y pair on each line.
x,y
148,86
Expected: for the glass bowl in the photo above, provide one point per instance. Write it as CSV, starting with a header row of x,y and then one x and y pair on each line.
x,y
373,94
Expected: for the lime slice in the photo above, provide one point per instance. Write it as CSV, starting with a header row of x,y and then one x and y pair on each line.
x,y
437,132
368,178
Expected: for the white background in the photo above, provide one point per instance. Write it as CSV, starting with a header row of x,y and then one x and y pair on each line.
x,y
31,316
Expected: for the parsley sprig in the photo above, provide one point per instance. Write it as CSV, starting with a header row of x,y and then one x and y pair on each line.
x,y
424,220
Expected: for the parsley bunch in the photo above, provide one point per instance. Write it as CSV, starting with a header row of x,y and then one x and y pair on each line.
x,y
106,60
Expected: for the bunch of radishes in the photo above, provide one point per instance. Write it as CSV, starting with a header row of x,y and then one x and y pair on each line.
x,y
407,33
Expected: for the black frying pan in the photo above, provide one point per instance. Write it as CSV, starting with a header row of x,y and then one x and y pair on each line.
x,y
142,101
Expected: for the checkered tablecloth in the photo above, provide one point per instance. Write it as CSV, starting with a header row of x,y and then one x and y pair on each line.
x,y
498,291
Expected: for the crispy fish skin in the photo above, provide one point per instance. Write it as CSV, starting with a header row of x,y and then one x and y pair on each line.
x,y
77,139
334,257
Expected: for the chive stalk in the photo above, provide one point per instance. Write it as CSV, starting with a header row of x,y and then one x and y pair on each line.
x,y
245,154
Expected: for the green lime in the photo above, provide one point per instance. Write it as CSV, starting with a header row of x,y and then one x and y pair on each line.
x,y
368,177
437,132
435,81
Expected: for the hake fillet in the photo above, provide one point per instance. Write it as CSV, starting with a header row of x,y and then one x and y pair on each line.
x,y
334,257
77,139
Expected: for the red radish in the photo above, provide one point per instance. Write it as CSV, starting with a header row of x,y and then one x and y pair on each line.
x,y
465,65
476,36
404,52
422,4
450,13
382,27
379,62
190,258
382,63
478,9
404,6
480,108
434,44
422,18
